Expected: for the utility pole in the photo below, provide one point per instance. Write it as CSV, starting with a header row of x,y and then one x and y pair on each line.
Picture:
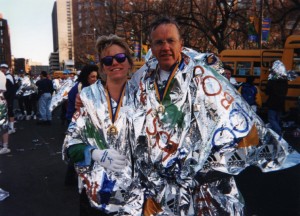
x,y
141,34
260,23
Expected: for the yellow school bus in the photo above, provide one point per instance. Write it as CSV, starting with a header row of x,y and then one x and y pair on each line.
x,y
62,74
258,62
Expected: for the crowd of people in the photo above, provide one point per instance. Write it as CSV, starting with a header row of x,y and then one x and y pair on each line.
x,y
165,142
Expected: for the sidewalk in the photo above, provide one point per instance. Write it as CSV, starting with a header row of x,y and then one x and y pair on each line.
x,y
33,173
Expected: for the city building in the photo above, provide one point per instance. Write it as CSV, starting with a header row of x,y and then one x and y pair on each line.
x,y
62,26
21,65
54,62
5,49
36,70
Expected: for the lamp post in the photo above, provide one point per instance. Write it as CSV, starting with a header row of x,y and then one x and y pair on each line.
x,y
141,44
141,33
95,34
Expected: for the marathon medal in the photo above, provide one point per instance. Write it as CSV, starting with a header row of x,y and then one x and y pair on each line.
x,y
160,109
161,94
113,114
112,130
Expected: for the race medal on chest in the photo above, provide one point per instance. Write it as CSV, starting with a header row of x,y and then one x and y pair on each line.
x,y
160,95
160,109
112,130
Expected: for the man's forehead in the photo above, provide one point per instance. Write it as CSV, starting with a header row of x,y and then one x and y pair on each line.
x,y
163,30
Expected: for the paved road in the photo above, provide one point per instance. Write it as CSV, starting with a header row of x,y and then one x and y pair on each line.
x,y
34,175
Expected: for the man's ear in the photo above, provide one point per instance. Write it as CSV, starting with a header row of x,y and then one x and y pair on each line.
x,y
181,44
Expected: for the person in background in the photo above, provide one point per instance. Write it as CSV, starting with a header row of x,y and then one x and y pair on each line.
x,y
99,139
88,76
34,97
228,74
24,94
277,88
64,105
9,95
251,93
45,90
3,117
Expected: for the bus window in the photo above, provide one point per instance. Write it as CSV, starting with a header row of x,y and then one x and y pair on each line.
x,y
256,68
296,66
231,64
243,68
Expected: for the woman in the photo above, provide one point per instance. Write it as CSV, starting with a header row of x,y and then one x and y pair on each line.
x,y
99,138
88,76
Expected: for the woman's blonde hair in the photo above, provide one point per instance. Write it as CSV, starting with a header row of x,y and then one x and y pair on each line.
x,y
105,41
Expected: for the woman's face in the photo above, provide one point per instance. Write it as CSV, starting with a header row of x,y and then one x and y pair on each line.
x,y
118,68
92,78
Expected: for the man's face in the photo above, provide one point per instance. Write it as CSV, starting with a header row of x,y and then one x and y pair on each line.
x,y
227,73
166,45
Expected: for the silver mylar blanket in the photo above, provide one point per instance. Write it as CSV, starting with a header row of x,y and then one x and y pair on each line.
x,y
202,126
61,93
109,191
205,126
27,87
3,115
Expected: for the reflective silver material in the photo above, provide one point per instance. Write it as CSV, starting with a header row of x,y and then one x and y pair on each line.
x,y
278,71
56,84
109,191
61,93
27,87
205,127
3,115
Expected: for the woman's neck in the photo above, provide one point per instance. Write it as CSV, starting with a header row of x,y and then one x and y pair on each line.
x,y
115,88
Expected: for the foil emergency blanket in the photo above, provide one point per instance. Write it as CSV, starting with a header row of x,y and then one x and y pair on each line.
x,y
61,94
117,192
3,115
201,125
278,71
56,84
27,87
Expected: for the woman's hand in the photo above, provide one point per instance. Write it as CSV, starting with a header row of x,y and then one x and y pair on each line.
x,y
110,159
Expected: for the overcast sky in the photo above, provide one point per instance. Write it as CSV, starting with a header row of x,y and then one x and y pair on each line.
x,y
30,28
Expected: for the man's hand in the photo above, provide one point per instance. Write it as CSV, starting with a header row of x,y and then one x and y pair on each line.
x,y
110,159
78,102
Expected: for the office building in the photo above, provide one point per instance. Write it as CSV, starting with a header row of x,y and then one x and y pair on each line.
x,y
5,49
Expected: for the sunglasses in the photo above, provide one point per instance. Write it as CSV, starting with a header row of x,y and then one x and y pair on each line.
x,y
108,60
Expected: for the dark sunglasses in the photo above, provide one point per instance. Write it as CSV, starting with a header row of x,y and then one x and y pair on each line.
x,y
108,60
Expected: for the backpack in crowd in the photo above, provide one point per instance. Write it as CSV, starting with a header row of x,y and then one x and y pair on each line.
x,y
249,92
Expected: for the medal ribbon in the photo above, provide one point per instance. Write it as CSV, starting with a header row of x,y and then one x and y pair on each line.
x,y
170,78
114,115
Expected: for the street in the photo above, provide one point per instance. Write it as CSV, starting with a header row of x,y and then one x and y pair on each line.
x,y
34,173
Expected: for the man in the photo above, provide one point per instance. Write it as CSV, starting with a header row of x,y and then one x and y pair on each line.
x,y
228,74
9,96
3,117
277,88
45,90
251,93
194,131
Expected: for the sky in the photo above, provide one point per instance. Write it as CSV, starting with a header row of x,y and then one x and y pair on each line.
x,y
30,28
